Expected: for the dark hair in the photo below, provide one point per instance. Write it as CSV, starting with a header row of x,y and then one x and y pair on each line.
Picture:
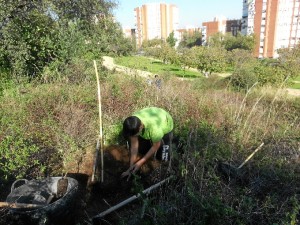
x,y
131,126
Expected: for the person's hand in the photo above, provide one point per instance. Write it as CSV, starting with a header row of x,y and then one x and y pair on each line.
x,y
136,166
132,170
127,173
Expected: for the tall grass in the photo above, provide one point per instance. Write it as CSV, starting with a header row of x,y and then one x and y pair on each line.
x,y
214,124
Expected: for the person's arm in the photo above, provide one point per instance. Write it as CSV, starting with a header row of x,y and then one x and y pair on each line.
x,y
148,155
134,146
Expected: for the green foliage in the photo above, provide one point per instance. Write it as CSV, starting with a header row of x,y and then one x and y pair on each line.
x,y
155,66
190,40
210,59
292,217
239,42
5,82
17,156
43,36
295,86
152,43
171,40
248,70
58,120
244,77
167,54
270,74
216,40
163,51
83,10
238,57
28,44
289,61
230,42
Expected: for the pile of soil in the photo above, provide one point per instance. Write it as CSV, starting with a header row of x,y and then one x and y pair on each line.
x,y
99,196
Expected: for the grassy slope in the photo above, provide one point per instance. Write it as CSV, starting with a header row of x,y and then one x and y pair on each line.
x,y
155,66
296,83
214,125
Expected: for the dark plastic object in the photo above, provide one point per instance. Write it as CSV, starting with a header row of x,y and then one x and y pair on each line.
x,y
53,210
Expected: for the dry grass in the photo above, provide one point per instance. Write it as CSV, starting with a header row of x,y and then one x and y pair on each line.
x,y
214,125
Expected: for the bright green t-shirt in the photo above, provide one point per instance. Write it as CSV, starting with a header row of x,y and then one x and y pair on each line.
x,y
157,122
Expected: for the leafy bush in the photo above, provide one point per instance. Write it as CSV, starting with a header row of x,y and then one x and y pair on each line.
x,y
29,44
17,156
244,78
48,35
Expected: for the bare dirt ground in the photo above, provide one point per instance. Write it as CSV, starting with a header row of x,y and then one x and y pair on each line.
x,y
99,196
294,92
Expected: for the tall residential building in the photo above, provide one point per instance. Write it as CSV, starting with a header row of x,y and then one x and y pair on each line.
x,y
275,23
220,25
155,20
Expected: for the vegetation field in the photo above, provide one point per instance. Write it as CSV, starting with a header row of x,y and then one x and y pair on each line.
x,y
296,83
156,66
235,157
51,125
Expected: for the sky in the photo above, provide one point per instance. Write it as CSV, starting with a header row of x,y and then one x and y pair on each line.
x,y
191,12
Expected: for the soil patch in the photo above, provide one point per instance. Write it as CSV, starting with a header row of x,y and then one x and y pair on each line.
x,y
94,198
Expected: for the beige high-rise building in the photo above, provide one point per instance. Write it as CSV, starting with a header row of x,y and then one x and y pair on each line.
x,y
155,20
275,23
220,25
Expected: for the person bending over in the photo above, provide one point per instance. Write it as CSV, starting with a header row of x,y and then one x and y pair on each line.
x,y
149,132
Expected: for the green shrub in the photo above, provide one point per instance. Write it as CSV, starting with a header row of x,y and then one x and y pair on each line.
x,y
17,156
244,78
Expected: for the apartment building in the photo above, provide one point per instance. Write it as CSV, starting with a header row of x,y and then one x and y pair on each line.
x,y
188,31
129,32
220,25
275,23
155,20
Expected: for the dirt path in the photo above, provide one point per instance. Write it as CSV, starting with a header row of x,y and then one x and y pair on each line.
x,y
294,92
108,62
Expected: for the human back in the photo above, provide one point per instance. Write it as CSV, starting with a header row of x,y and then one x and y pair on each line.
x,y
157,122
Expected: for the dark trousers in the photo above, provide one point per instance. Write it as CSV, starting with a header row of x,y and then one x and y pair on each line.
x,y
164,151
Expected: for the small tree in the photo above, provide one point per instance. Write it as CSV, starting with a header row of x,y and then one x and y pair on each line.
x,y
187,59
239,42
171,40
167,54
230,42
238,57
210,59
191,40
289,60
36,33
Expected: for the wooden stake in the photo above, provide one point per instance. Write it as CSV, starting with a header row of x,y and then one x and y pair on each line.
x,y
132,198
20,205
100,138
250,156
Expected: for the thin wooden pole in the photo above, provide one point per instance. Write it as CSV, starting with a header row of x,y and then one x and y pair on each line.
x,y
100,138
250,156
132,198
20,205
